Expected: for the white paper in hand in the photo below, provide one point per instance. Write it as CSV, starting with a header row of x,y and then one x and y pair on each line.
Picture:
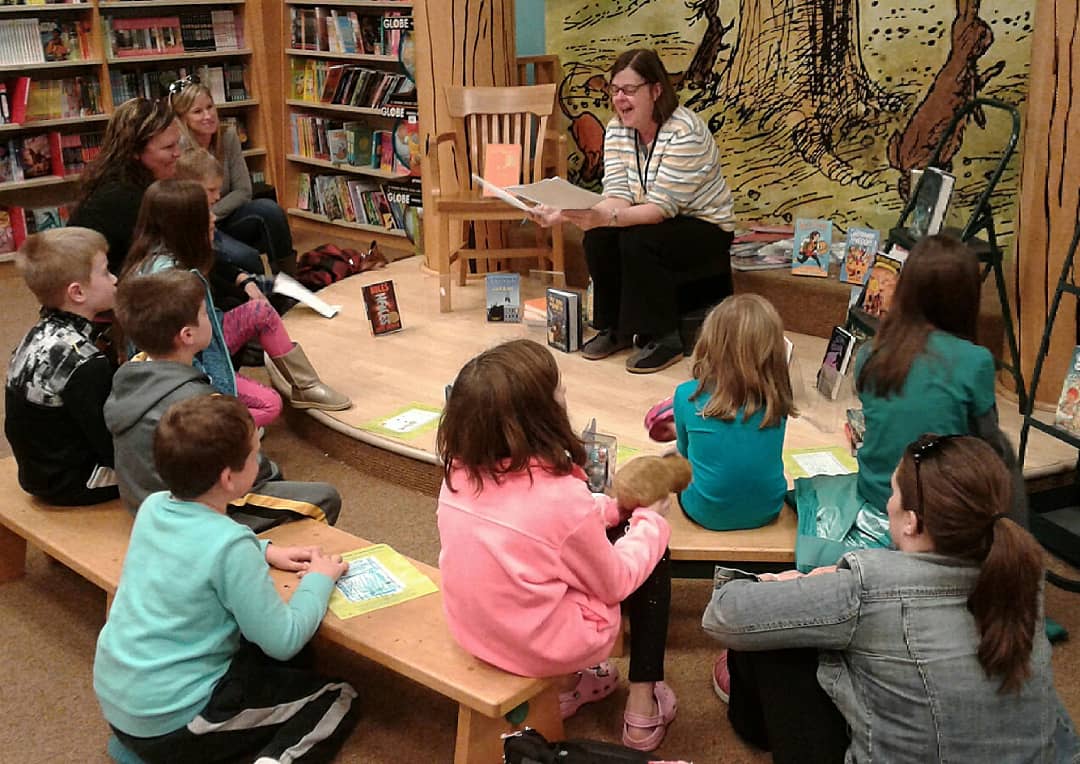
x,y
290,287
500,193
557,194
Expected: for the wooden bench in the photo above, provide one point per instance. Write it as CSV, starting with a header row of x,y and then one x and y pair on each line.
x,y
412,639
695,549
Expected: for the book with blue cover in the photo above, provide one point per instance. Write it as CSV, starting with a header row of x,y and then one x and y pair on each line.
x,y
812,250
503,297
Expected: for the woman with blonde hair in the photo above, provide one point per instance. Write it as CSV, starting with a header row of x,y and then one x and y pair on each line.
x,y
141,145
934,651
245,226
731,417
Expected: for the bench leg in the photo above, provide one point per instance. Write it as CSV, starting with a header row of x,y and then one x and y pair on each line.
x,y
12,555
479,737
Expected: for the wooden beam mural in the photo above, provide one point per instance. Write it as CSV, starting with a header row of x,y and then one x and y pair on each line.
x,y
820,107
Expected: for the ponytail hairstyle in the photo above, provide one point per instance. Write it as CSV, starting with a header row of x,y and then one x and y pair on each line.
x,y
741,364
174,216
502,414
938,290
960,490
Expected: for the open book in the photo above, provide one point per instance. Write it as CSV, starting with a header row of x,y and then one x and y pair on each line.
x,y
552,192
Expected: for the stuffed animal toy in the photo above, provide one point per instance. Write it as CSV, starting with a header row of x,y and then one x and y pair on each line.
x,y
646,480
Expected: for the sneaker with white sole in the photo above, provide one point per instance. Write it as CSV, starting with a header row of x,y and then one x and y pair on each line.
x,y
721,678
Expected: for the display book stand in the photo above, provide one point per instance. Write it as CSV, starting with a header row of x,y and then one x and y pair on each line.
x,y
981,220
1055,518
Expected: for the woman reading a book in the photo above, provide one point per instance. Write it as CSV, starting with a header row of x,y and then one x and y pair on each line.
x,y
666,219
245,226
141,145
933,652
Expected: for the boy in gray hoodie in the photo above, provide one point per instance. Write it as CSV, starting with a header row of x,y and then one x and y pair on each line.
x,y
165,314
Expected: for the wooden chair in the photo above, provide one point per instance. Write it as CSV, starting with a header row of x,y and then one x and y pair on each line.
x,y
482,116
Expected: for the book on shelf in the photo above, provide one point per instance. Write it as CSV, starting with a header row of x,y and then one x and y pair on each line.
x,y
502,166
381,303
503,292
881,283
317,81
225,82
860,246
16,223
8,242
563,320
1067,415
14,100
835,363
812,248
351,32
932,196
61,99
239,126
192,30
65,39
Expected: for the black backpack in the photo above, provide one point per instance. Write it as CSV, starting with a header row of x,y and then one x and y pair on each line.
x,y
530,747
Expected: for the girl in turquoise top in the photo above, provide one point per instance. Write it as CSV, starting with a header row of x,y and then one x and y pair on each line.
x,y
731,417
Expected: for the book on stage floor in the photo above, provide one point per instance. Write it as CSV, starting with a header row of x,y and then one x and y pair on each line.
x,y
812,248
1067,415
290,287
534,312
503,297
880,285
382,307
859,250
835,363
378,577
502,166
931,200
564,320
558,194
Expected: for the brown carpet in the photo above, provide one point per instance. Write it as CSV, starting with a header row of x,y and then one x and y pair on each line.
x,y
50,618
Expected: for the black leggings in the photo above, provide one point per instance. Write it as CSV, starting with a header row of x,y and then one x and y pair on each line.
x,y
636,272
648,609
777,705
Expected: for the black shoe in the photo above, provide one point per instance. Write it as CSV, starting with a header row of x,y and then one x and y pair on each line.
x,y
655,356
604,344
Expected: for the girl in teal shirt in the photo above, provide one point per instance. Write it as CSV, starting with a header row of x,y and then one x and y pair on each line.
x,y
731,417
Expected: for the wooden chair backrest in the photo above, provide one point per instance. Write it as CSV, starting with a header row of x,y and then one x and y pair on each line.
x,y
483,115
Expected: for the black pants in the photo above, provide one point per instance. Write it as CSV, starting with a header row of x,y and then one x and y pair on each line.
x,y
261,707
636,271
777,704
648,609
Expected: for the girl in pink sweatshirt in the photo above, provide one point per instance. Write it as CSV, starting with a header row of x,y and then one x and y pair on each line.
x,y
535,567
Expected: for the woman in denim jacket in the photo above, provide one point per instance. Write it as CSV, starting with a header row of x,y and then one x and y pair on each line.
x,y
935,652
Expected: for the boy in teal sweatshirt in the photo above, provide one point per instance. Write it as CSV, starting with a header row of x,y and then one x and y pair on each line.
x,y
188,666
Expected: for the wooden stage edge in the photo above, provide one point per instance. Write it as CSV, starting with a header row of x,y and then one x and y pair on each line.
x,y
410,369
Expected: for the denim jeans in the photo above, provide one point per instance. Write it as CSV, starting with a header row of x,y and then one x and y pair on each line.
x,y
257,226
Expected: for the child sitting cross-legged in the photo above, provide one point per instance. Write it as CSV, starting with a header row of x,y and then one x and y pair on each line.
x,y
534,566
731,417
165,314
58,379
189,664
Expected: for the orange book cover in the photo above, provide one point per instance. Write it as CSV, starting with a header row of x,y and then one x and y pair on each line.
x,y
502,165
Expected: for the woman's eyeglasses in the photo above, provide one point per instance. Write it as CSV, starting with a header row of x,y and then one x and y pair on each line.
x,y
179,85
919,450
629,90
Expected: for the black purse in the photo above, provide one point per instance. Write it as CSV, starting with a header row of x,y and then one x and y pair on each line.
x,y
530,747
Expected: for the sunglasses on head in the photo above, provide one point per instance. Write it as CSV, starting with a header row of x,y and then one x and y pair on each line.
x,y
920,450
179,85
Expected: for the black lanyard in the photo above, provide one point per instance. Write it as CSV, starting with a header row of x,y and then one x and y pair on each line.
x,y
643,179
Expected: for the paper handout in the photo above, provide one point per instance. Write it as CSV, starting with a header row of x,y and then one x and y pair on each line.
x,y
557,194
290,287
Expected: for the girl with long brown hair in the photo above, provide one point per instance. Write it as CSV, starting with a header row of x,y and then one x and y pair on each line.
x,y
534,567
731,417
933,652
174,230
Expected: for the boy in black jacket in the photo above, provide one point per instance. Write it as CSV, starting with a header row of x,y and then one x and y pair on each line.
x,y
58,379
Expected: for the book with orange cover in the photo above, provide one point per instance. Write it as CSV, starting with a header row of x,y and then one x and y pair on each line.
x,y
502,165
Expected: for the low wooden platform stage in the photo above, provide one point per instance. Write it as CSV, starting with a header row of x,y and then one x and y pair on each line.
x,y
397,381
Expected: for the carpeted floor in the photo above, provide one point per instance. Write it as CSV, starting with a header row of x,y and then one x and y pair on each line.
x,y
49,621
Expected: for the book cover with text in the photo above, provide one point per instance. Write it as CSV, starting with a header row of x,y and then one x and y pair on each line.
x,y
811,253
503,297
382,307
880,285
859,250
564,320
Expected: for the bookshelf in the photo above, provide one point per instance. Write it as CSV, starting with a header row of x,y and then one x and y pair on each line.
x,y
440,32
100,65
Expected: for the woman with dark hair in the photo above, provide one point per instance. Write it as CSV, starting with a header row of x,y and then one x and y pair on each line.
x,y
922,372
933,652
141,145
667,217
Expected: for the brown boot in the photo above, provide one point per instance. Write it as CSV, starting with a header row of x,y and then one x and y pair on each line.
x,y
305,389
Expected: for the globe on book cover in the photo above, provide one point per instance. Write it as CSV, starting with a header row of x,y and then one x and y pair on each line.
x,y
859,251
813,241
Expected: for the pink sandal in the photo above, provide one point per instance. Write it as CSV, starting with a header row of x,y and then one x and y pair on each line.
x,y
594,683
666,704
